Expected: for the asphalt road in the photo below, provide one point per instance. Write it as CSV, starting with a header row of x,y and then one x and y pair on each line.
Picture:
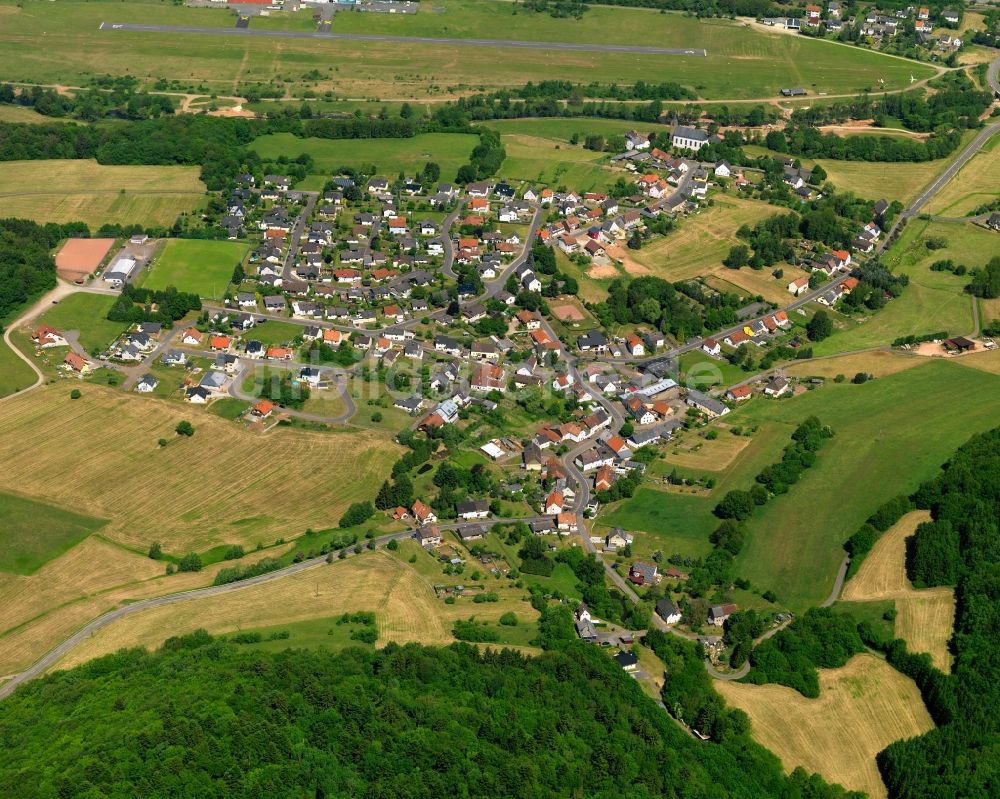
x,y
373,37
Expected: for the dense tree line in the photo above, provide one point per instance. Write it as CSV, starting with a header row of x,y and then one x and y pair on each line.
x,y
640,90
649,300
135,305
108,97
954,103
985,282
957,758
818,639
813,143
485,158
26,265
206,718
233,574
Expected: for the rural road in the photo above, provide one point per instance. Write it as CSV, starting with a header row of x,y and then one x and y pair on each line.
x,y
53,656
376,37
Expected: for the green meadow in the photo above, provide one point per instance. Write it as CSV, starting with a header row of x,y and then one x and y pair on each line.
x,y
35,532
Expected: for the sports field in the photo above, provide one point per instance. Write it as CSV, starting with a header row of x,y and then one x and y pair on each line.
x,y
700,242
977,183
84,191
87,313
78,258
34,532
73,47
201,267
924,618
917,417
390,156
405,607
862,708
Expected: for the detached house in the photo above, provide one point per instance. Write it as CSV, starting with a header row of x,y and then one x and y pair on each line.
x,y
423,513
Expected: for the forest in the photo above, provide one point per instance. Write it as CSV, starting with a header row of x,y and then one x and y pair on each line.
x,y
959,547
26,265
205,718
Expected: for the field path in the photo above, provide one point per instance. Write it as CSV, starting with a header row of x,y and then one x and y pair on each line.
x,y
44,303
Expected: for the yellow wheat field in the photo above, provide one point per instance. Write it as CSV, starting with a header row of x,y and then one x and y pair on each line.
x,y
924,618
404,604
99,455
862,708
879,364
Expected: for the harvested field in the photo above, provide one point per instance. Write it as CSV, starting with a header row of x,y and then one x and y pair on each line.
x,y
879,364
925,618
39,611
987,361
862,708
602,272
82,190
713,456
80,257
404,603
222,486
567,312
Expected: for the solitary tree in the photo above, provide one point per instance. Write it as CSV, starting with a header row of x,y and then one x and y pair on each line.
x,y
184,428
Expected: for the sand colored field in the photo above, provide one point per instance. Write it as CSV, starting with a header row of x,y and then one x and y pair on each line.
x,y
700,242
39,611
977,183
924,618
986,361
715,456
99,455
879,364
403,601
567,311
80,257
83,190
862,708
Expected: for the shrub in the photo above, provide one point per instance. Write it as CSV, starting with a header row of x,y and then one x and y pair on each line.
x,y
184,428
75,394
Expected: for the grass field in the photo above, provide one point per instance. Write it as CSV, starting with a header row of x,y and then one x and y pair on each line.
x,y
15,374
698,245
221,486
862,708
390,156
88,314
403,601
682,522
894,181
977,183
22,115
201,267
933,301
73,47
795,542
924,618
550,161
35,532
274,332
85,191
878,363
564,129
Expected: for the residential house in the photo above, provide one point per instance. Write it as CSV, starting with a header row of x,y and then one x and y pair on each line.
x,y
473,509
718,614
146,384
711,346
644,573
777,387
423,513
553,504
668,611
428,536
